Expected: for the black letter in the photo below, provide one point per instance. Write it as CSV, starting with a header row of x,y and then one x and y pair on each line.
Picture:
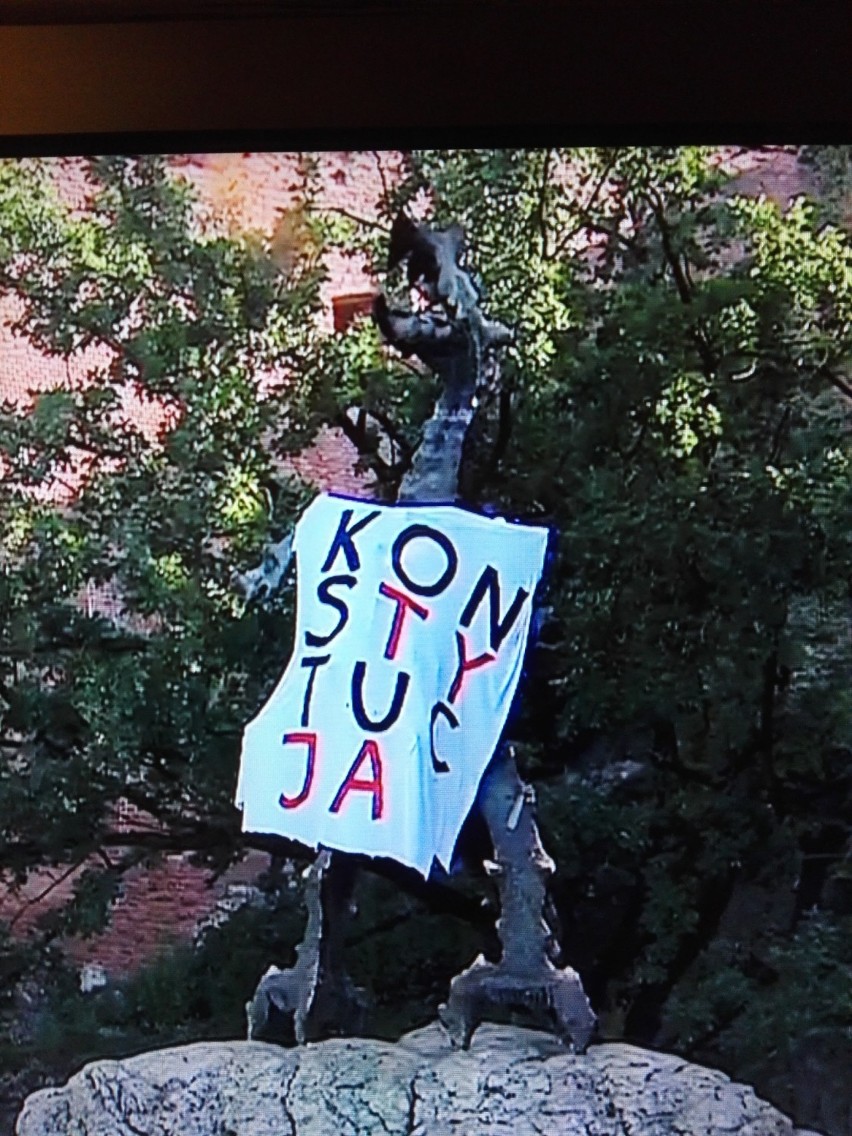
x,y
411,533
324,596
402,680
489,582
312,661
343,539
440,708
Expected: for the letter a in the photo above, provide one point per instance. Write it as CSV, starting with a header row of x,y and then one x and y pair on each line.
x,y
351,783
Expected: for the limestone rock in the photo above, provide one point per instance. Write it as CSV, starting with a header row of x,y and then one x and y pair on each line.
x,y
512,1082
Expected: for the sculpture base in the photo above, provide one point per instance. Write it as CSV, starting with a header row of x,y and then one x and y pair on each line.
x,y
555,997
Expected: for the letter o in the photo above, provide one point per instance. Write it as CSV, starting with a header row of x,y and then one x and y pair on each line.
x,y
443,542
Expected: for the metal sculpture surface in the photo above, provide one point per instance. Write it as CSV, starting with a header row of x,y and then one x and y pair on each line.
x,y
454,339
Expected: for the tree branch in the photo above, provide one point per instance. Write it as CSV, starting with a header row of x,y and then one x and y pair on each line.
x,y
584,217
36,899
542,202
118,645
437,896
504,432
778,435
672,259
357,435
684,291
358,220
836,382
601,181
385,189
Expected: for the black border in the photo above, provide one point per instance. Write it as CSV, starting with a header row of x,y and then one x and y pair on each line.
x,y
479,73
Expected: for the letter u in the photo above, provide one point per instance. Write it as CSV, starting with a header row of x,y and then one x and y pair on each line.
x,y
367,724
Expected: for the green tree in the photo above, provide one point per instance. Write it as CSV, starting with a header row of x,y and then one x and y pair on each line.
x,y
148,706
676,406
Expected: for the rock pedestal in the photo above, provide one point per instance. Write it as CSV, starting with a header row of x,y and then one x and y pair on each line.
x,y
511,1082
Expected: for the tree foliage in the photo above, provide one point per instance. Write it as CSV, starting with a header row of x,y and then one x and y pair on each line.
x,y
676,406
149,706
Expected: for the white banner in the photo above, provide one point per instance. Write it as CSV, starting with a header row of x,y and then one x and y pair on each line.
x,y
410,633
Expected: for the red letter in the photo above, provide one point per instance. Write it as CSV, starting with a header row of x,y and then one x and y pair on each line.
x,y
370,749
310,740
466,665
404,603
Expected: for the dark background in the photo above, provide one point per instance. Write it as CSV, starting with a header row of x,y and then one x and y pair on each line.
x,y
751,72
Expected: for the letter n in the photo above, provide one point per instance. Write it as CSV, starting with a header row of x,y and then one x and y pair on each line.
x,y
489,584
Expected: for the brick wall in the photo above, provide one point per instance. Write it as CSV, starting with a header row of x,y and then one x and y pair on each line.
x,y
158,904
